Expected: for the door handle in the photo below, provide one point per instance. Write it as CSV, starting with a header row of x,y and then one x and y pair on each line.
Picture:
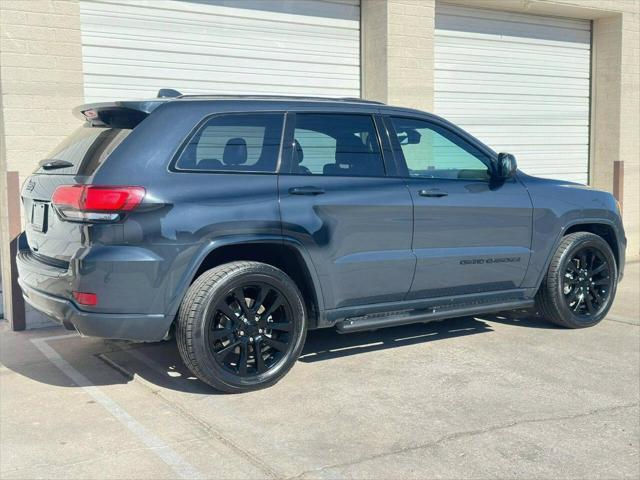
x,y
432,193
308,190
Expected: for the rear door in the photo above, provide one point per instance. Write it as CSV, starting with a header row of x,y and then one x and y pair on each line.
x,y
74,161
471,234
337,201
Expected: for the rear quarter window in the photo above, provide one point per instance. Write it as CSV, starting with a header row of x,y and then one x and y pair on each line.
x,y
234,143
85,149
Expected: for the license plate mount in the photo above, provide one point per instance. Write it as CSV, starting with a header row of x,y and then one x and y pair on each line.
x,y
39,217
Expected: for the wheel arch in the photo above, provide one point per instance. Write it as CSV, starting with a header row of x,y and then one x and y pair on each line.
x,y
597,226
603,229
286,254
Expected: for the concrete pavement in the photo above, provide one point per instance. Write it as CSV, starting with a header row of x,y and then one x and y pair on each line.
x,y
487,397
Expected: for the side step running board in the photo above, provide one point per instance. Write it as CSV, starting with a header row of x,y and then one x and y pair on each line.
x,y
372,322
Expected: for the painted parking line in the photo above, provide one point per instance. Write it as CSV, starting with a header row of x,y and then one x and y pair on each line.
x,y
155,444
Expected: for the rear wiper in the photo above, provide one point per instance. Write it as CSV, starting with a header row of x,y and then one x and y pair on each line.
x,y
55,163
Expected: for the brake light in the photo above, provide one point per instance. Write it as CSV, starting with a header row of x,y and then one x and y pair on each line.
x,y
84,298
95,203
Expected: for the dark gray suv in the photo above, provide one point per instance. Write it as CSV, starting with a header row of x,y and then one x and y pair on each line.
x,y
242,222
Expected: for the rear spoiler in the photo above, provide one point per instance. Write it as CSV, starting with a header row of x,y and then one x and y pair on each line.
x,y
121,114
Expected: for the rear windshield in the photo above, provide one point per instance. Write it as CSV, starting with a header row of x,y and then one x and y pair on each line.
x,y
85,149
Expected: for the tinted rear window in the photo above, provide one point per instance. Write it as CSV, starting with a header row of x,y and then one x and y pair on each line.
x,y
85,149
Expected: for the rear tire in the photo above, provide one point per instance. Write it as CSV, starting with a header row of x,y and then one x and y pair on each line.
x,y
580,284
241,326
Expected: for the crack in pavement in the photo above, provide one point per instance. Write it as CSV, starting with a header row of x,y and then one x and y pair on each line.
x,y
619,319
467,433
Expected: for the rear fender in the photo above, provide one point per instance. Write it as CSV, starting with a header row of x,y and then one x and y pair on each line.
x,y
213,245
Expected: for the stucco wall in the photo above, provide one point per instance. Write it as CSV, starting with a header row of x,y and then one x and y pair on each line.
x,y
41,77
397,46
40,82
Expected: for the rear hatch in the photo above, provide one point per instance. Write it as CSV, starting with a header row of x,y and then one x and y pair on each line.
x,y
74,162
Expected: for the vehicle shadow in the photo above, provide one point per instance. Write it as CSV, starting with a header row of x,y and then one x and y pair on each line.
x,y
327,344
160,365
524,318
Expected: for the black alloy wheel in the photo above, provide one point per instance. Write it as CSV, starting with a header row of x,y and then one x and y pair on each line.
x,y
241,326
249,329
587,282
580,284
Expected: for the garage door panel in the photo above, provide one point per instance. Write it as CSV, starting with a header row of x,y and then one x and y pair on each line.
x,y
514,85
483,53
236,33
308,47
149,49
478,13
520,83
228,72
479,59
259,82
477,108
330,13
479,21
501,141
139,87
496,113
99,57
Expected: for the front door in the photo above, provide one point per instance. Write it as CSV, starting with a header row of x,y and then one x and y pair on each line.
x,y
471,234
336,200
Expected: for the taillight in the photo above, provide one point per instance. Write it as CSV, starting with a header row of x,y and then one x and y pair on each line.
x,y
93,203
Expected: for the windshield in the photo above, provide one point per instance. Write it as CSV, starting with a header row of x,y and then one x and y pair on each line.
x,y
85,149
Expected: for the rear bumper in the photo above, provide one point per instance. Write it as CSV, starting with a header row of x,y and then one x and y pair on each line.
x,y
136,327
146,328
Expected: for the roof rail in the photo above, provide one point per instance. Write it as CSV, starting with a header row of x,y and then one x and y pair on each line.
x,y
361,100
283,97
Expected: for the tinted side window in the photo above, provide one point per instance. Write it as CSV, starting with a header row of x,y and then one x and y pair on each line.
x,y
235,142
336,144
433,152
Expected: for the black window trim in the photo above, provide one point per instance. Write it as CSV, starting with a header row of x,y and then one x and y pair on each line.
x,y
287,157
198,127
398,156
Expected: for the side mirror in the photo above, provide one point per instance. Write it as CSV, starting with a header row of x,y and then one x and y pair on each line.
x,y
409,137
507,166
413,136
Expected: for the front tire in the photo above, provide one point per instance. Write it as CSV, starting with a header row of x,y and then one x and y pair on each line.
x,y
580,285
241,326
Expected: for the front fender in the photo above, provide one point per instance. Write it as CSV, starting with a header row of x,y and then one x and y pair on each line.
x,y
536,275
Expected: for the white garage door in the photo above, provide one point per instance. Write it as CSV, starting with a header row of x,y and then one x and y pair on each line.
x,y
131,49
518,82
